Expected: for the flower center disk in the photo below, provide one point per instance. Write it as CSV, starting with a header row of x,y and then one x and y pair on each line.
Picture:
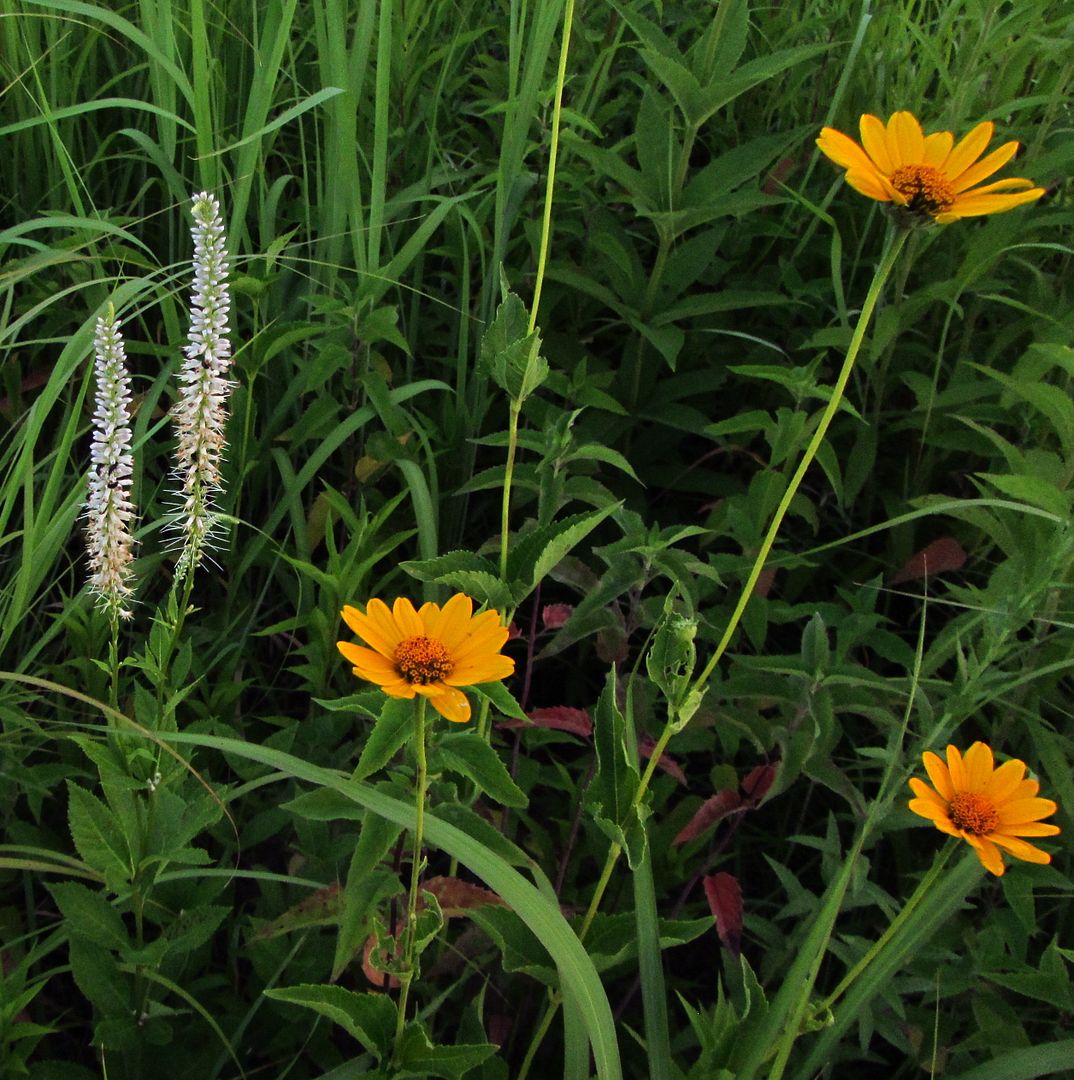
x,y
973,813
422,660
925,188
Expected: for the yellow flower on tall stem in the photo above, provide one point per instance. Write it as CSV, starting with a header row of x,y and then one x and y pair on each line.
x,y
431,651
987,807
929,176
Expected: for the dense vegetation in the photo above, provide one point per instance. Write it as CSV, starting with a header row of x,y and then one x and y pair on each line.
x,y
206,820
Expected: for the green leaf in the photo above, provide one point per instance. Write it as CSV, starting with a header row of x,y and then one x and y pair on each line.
x,y
390,733
465,571
88,914
418,1057
510,354
98,838
362,891
96,973
467,753
535,554
609,797
370,1018
502,699
518,945
536,905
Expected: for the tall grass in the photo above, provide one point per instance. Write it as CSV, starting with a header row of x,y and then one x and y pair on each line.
x,y
382,169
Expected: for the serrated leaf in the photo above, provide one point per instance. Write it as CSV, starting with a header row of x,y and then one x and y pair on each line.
x,y
370,1018
419,1058
465,571
510,353
534,555
88,914
97,837
520,950
390,733
502,699
359,893
609,797
467,753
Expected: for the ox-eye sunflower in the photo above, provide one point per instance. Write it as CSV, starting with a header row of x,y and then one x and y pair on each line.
x,y
929,176
987,807
432,651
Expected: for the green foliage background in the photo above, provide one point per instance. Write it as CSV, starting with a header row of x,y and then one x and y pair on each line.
x,y
378,164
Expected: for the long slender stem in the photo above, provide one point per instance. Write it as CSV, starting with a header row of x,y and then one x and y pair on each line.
x,y
876,287
553,154
410,930
867,308
897,923
509,469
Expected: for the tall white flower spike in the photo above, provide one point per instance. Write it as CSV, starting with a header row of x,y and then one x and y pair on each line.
x,y
109,512
201,412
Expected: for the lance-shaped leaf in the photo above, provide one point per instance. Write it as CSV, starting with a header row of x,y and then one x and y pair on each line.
x,y
370,1018
610,796
467,753
510,354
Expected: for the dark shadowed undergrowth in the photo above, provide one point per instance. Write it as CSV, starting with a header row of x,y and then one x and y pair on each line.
x,y
670,842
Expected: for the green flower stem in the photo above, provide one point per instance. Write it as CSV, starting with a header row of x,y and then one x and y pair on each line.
x,y
553,154
509,469
897,924
879,279
883,271
406,977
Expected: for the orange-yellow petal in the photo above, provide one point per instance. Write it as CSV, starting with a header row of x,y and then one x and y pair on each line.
x,y
490,669
874,141
370,664
968,149
939,774
844,151
869,184
956,768
988,853
1021,850
979,765
905,140
453,623
937,147
929,809
1023,810
1003,782
406,618
977,206
452,705
984,168
1028,828
372,630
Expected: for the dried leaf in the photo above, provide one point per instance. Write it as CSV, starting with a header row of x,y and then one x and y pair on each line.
x,y
708,813
940,556
725,901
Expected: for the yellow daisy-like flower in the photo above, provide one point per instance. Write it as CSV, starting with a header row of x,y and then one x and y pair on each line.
x,y
989,808
432,651
928,175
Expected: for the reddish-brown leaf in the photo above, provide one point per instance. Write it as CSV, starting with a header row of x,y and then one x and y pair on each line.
x,y
725,901
559,718
456,896
646,745
941,555
765,581
708,813
555,615
756,782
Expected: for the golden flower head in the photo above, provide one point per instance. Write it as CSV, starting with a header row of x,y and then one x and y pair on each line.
x,y
989,808
432,651
928,176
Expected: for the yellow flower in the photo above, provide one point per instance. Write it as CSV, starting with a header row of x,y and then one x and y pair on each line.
x,y
988,807
928,175
431,651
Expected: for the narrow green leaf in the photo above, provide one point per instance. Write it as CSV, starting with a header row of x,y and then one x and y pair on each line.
x,y
370,1018
390,733
88,914
467,753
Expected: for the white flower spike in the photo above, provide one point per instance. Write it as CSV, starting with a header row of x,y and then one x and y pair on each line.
x,y
109,512
201,412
